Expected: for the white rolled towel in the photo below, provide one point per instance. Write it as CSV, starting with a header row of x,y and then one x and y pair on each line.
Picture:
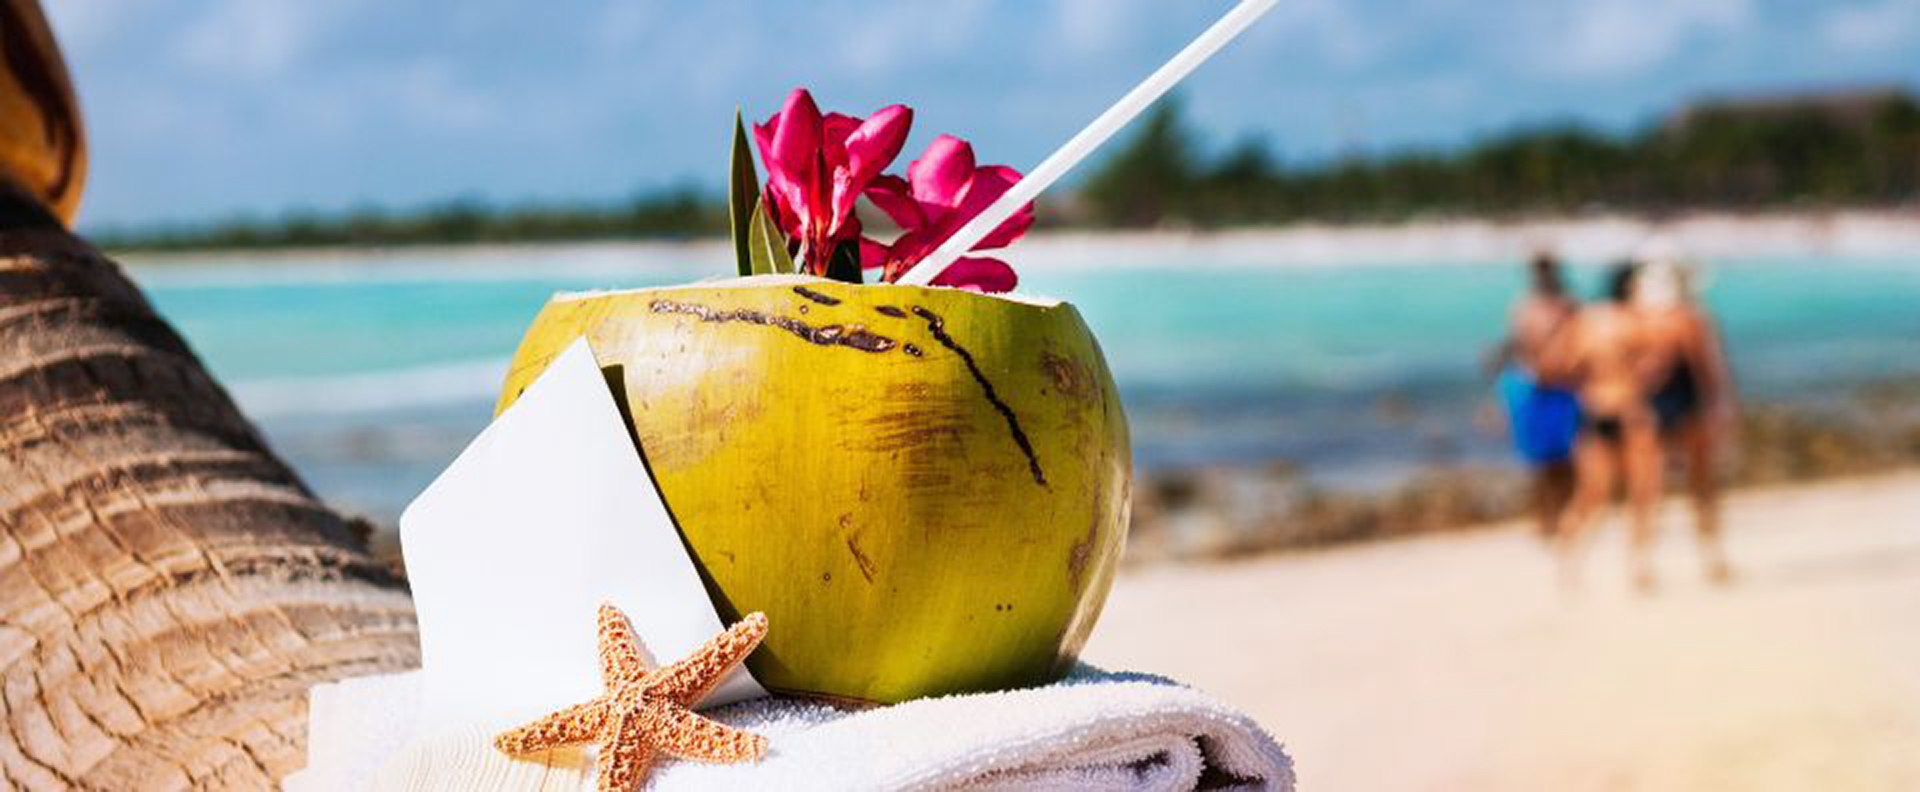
x,y
1093,730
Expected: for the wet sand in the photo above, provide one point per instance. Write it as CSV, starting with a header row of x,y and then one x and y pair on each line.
x,y
1453,662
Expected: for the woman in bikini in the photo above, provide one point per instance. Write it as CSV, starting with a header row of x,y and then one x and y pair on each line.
x,y
1692,395
1605,352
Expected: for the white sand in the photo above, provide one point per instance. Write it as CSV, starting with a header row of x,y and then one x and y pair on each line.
x,y
1454,662
1712,235
1891,233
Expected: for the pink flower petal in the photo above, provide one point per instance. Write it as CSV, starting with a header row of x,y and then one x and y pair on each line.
x,y
763,139
987,185
789,147
873,254
986,274
891,195
834,129
910,247
848,229
839,201
796,137
867,150
877,141
940,175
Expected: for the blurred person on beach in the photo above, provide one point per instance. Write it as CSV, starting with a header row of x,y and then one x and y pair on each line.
x,y
1605,351
1542,415
1691,392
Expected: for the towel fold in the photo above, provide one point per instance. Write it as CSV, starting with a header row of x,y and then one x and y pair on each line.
x,y
1093,730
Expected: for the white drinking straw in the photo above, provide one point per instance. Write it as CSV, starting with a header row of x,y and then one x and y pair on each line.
x,y
1082,144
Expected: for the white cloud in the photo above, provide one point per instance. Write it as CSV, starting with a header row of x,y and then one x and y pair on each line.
x,y
1611,38
431,95
1328,28
1090,27
1871,28
893,36
254,39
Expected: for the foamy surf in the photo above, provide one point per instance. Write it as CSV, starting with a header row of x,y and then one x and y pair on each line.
x,y
373,391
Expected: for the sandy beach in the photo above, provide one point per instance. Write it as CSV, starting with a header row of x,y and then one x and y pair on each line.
x,y
1844,232
1454,663
1598,236
1874,232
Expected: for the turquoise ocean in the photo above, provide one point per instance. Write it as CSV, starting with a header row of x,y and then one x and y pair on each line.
x,y
371,371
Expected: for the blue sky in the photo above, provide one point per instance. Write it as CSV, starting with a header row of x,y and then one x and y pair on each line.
x,y
204,109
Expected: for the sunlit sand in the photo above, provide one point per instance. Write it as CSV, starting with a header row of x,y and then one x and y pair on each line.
x,y
1454,663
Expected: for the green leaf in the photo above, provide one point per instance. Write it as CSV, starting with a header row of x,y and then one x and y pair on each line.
x,y
845,264
766,246
743,195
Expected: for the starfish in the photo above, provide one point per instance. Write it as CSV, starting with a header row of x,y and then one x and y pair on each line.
x,y
648,712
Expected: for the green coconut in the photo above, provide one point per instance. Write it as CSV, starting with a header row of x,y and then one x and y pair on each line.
x,y
925,489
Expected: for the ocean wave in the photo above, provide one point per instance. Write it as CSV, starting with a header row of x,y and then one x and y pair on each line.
x,y
372,392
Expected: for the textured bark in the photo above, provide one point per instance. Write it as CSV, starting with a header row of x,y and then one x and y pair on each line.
x,y
168,588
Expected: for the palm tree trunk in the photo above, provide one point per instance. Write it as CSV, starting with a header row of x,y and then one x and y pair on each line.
x,y
168,588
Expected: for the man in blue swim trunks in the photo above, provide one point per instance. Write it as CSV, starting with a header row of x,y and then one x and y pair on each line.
x,y
1542,416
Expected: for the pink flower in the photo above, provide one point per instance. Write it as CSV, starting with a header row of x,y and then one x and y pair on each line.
x,y
817,166
943,190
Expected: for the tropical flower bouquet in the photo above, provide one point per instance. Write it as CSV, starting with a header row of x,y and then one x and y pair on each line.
x,y
818,165
924,488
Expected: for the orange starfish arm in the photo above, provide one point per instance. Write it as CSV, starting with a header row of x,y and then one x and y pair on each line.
x,y
620,658
690,680
683,733
625,756
571,726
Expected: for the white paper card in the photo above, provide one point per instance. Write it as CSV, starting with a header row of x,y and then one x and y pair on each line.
x,y
548,513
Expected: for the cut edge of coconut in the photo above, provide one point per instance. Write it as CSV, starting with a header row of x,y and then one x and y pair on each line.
x,y
1037,301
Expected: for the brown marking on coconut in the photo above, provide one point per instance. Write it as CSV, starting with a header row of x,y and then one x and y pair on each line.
x,y
1082,551
815,296
913,427
920,427
938,327
860,558
1069,377
855,336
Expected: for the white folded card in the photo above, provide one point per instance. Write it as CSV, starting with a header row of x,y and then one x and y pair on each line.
x,y
510,552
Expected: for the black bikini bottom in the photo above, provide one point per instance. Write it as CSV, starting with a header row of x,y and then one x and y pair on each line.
x,y
1678,398
1606,427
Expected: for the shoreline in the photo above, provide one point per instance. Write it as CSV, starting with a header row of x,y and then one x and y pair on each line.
x,y
1847,232
1216,512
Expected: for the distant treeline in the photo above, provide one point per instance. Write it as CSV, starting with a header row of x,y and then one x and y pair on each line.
x,y
672,214
1838,149
1824,150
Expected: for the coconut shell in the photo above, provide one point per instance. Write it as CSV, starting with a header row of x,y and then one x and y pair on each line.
x,y
926,490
